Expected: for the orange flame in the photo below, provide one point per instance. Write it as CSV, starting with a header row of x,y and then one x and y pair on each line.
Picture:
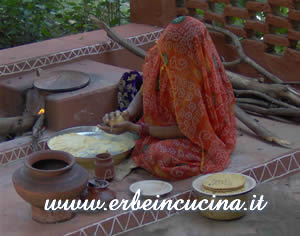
x,y
42,111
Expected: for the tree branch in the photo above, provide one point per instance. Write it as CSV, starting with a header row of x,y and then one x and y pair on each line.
x,y
264,96
272,111
252,101
242,55
258,129
117,38
273,90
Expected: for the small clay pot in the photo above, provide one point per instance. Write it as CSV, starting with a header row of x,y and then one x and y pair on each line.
x,y
104,167
52,175
98,190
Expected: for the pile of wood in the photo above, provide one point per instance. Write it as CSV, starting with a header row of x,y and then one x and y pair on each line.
x,y
273,100
30,122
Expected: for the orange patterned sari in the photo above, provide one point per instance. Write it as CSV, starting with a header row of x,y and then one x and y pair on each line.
x,y
185,85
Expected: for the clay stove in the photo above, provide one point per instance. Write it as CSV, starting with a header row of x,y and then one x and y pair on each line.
x,y
84,106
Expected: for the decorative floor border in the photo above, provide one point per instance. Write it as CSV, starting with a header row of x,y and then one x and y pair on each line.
x,y
17,153
56,58
132,220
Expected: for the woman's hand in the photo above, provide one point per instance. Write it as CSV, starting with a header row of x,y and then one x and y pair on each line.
x,y
125,126
107,118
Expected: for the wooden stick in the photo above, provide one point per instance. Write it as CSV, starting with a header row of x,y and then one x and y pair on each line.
x,y
252,101
231,63
272,111
115,37
243,56
277,91
18,124
264,96
258,129
36,131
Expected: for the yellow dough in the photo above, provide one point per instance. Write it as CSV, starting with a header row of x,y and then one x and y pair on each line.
x,y
89,146
223,182
119,118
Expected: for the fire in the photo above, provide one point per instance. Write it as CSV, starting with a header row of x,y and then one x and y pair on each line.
x,y
42,111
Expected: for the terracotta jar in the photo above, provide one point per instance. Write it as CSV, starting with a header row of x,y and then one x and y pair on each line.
x,y
104,167
98,190
49,175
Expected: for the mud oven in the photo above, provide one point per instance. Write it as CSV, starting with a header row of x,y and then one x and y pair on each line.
x,y
78,106
23,104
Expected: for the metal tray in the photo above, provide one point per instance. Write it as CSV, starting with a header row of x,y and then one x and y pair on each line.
x,y
87,162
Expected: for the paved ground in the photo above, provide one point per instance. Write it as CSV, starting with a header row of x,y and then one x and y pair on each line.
x,y
281,217
15,214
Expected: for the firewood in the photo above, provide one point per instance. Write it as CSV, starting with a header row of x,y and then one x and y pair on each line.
x,y
277,91
253,102
123,42
37,131
19,124
258,129
239,93
243,57
33,102
272,111
16,125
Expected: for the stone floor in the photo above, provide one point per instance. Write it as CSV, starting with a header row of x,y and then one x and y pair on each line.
x,y
280,217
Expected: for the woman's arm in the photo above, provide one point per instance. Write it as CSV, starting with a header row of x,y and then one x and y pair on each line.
x,y
135,108
160,132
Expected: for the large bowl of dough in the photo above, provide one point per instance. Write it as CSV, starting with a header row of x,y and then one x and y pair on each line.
x,y
224,186
85,142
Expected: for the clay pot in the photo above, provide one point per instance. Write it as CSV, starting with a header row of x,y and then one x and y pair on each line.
x,y
104,167
98,190
49,175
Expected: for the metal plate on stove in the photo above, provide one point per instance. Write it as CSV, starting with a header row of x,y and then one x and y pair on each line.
x,y
62,81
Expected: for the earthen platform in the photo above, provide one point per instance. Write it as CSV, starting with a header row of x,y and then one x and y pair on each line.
x,y
264,162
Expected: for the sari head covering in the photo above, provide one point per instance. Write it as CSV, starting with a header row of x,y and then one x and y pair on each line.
x,y
185,84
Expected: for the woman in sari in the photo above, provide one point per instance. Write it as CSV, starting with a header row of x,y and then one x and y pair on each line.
x,y
186,104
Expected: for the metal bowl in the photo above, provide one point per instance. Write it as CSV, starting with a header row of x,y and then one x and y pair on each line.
x,y
88,162
221,214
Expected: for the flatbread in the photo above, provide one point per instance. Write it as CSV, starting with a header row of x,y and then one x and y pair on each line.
x,y
227,192
88,146
224,182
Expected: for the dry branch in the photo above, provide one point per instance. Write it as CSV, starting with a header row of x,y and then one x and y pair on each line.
x,y
277,91
123,42
258,129
236,42
16,125
37,131
263,96
20,124
231,63
252,101
272,111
